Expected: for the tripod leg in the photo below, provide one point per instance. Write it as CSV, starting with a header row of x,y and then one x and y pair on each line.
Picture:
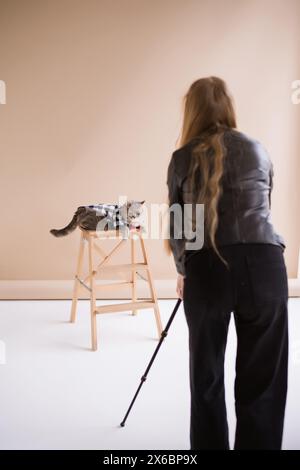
x,y
144,377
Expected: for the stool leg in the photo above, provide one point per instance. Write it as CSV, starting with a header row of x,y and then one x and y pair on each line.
x,y
92,295
76,282
152,289
133,279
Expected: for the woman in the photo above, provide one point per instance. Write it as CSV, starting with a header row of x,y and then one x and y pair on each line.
x,y
239,268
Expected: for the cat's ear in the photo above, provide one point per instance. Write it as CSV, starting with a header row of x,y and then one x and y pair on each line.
x,y
142,202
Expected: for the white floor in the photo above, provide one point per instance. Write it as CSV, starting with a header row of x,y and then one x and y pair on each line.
x,y
57,394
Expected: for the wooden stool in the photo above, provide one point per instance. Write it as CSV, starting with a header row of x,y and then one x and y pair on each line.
x,y
134,305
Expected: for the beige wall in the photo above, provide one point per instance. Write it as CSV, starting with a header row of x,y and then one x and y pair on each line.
x,y
93,109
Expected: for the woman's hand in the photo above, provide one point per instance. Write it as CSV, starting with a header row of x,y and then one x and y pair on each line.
x,y
179,288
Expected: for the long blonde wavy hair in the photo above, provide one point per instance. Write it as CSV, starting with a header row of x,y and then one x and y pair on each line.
x,y
208,111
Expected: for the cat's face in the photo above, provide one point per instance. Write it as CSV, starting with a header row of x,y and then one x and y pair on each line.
x,y
132,211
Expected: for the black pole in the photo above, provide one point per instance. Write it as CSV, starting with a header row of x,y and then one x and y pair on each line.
x,y
163,335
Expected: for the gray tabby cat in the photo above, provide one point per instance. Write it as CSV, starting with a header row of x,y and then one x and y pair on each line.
x,y
104,217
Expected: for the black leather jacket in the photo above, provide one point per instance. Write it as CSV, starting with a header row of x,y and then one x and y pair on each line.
x,y
245,203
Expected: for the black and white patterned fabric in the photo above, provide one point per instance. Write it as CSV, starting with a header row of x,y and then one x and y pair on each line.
x,y
111,213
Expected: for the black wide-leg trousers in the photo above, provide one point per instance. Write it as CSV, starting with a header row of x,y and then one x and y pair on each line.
x,y
255,290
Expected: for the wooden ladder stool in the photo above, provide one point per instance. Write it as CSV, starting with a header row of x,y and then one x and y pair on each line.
x,y
89,282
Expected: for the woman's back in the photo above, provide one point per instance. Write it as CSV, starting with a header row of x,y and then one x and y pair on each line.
x,y
244,205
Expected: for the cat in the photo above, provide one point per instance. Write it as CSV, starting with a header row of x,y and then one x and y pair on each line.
x,y
104,217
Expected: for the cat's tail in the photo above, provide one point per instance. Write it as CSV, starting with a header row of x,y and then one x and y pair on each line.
x,y
69,228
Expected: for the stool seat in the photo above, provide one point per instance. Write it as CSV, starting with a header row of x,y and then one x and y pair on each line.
x,y
89,282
